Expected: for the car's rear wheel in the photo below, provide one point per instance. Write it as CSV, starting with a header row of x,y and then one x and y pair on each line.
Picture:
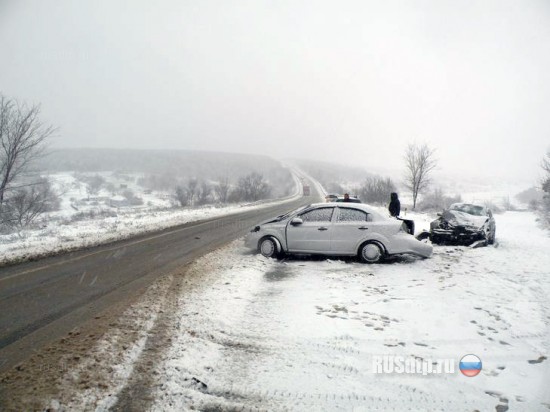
x,y
371,252
268,247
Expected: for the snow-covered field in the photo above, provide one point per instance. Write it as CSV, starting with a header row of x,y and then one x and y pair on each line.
x,y
80,223
249,333
478,193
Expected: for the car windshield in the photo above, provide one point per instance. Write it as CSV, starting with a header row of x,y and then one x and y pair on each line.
x,y
292,212
467,208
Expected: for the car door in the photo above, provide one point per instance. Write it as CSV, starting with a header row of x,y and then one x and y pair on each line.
x,y
313,235
350,226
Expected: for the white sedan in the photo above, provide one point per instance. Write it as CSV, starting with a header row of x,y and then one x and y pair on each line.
x,y
336,229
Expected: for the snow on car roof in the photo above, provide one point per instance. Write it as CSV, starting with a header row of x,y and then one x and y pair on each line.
x,y
360,206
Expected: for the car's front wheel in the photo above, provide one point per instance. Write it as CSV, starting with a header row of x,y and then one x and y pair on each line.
x,y
268,247
492,235
371,252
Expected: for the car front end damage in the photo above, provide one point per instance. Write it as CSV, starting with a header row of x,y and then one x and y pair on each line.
x,y
456,235
446,230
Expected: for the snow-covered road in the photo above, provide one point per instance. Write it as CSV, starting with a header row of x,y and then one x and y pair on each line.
x,y
301,334
236,331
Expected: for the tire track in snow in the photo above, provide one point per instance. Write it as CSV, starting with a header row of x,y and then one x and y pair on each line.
x,y
102,374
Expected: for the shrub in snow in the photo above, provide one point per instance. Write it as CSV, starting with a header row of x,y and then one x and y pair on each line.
x,y
437,201
507,204
182,196
376,190
494,208
252,187
26,205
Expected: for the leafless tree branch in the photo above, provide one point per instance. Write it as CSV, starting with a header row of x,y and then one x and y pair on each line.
x,y
22,139
546,163
419,162
222,189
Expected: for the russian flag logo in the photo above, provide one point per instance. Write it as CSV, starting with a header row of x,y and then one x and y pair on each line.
x,y
470,365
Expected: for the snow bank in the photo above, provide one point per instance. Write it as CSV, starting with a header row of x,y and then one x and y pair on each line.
x,y
64,231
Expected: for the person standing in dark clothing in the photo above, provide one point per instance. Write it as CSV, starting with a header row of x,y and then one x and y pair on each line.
x,y
395,205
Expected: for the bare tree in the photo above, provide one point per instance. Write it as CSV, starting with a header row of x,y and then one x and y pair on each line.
x,y
22,139
376,190
419,162
546,164
94,185
192,186
222,189
507,204
546,185
182,196
203,195
253,187
27,204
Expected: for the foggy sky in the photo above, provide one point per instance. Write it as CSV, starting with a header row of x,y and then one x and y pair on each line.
x,y
347,81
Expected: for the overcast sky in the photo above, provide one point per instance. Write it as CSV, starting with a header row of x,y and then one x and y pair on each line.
x,y
350,81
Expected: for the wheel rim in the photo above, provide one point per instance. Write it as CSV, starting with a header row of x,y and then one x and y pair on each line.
x,y
371,252
267,248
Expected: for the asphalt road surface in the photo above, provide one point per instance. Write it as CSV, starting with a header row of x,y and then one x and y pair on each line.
x,y
42,301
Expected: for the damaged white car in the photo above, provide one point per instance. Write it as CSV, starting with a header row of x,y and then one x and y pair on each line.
x,y
463,224
336,229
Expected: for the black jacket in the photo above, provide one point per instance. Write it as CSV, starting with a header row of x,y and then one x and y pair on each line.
x,y
395,205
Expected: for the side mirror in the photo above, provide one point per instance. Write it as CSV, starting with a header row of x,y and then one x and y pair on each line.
x,y
490,213
296,221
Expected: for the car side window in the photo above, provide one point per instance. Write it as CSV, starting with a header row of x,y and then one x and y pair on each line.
x,y
352,215
318,215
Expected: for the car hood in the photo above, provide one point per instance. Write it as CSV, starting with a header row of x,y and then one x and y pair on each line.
x,y
456,218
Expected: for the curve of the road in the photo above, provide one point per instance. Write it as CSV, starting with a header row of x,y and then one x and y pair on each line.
x,y
42,301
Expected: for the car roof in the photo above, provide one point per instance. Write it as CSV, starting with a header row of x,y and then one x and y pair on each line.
x,y
360,206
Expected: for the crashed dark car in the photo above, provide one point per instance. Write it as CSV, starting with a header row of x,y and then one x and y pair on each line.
x,y
463,224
